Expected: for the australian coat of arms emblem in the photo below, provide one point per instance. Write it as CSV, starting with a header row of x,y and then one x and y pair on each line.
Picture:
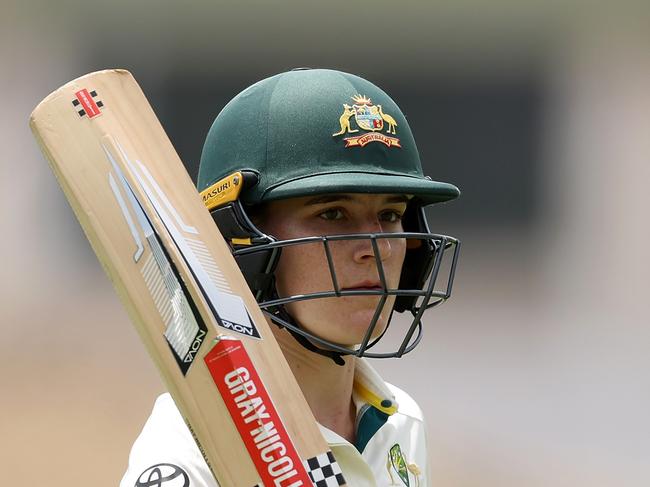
x,y
396,462
368,118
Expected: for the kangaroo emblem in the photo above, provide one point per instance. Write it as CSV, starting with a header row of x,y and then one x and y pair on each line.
x,y
344,120
388,119
370,121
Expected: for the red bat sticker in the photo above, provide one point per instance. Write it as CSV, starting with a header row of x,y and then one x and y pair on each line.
x,y
88,105
254,415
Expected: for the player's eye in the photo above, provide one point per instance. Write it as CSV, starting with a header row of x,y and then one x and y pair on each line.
x,y
390,216
331,214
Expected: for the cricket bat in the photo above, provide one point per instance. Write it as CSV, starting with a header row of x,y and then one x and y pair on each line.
x,y
180,284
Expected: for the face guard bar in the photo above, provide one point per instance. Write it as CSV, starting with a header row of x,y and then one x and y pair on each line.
x,y
428,254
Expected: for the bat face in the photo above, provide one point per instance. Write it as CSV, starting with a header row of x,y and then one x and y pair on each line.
x,y
179,282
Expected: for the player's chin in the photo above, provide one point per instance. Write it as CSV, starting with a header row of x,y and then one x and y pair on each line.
x,y
344,321
364,315
356,324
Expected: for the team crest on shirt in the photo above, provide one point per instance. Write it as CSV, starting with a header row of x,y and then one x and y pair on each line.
x,y
396,463
369,120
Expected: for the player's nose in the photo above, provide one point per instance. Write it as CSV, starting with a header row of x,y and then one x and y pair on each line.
x,y
372,248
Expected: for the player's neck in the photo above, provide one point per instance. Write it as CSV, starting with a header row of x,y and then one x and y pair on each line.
x,y
326,385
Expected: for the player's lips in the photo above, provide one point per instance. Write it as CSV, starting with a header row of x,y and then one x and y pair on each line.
x,y
364,285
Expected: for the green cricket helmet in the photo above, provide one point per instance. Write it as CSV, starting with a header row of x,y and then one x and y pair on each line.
x,y
309,132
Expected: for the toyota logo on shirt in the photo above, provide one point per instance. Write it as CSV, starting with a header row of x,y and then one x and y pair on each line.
x,y
163,475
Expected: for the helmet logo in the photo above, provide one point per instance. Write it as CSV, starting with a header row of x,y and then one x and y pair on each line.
x,y
370,118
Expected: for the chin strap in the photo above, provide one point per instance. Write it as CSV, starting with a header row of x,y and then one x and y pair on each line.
x,y
281,317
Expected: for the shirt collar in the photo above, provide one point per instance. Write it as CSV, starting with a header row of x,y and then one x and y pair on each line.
x,y
373,400
374,403
370,389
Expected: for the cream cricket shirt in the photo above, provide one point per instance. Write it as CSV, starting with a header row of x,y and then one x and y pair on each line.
x,y
390,448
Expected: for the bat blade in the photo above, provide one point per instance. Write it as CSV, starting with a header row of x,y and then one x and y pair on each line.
x,y
178,280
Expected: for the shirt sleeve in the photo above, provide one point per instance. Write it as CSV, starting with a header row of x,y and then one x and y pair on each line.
x,y
165,453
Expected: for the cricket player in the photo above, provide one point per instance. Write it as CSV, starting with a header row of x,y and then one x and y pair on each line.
x,y
314,178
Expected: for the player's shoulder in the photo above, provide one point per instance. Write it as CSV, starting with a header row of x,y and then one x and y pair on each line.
x,y
407,406
165,412
165,426
165,449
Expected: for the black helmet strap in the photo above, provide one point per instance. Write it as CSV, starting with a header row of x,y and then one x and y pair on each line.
x,y
281,318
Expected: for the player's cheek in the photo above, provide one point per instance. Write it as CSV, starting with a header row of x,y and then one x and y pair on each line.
x,y
285,272
302,269
397,260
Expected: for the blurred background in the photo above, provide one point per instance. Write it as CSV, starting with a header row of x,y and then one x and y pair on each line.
x,y
536,373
